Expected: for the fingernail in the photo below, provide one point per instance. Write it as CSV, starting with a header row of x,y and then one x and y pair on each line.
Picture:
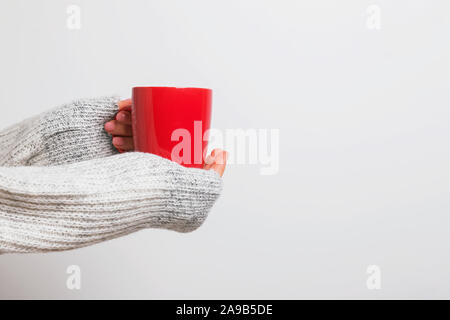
x,y
117,141
121,117
109,126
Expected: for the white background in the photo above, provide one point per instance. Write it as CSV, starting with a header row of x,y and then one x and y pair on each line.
x,y
364,142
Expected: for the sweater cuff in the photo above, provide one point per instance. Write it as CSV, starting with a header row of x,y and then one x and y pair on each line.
x,y
192,194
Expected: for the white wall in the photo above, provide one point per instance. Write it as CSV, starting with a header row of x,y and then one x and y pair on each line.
x,y
364,133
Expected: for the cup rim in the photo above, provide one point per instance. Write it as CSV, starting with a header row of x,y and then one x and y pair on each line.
x,y
171,87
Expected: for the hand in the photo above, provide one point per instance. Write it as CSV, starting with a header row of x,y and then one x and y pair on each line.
x,y
122,133
217,161
120,128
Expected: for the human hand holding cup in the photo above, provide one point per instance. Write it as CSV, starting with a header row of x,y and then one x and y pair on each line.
x,y
170,122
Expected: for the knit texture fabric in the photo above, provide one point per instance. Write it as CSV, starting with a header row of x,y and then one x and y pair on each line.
x,y
70,133
70,206
74,204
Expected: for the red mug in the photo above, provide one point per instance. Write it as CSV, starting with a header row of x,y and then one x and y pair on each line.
x,y
172,123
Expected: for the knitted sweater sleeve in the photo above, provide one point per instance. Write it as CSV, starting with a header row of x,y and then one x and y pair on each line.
x,y
74,205
69,133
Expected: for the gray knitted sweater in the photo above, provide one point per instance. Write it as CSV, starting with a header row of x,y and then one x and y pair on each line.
x,y
63,185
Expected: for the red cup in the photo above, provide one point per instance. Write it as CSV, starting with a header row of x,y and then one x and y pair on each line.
x,y
172,123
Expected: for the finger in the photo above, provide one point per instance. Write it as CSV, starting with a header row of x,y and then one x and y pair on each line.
x,y
124,117
217,161
220,156
117,128
209,161
220,163
219,168
124,103
123,143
